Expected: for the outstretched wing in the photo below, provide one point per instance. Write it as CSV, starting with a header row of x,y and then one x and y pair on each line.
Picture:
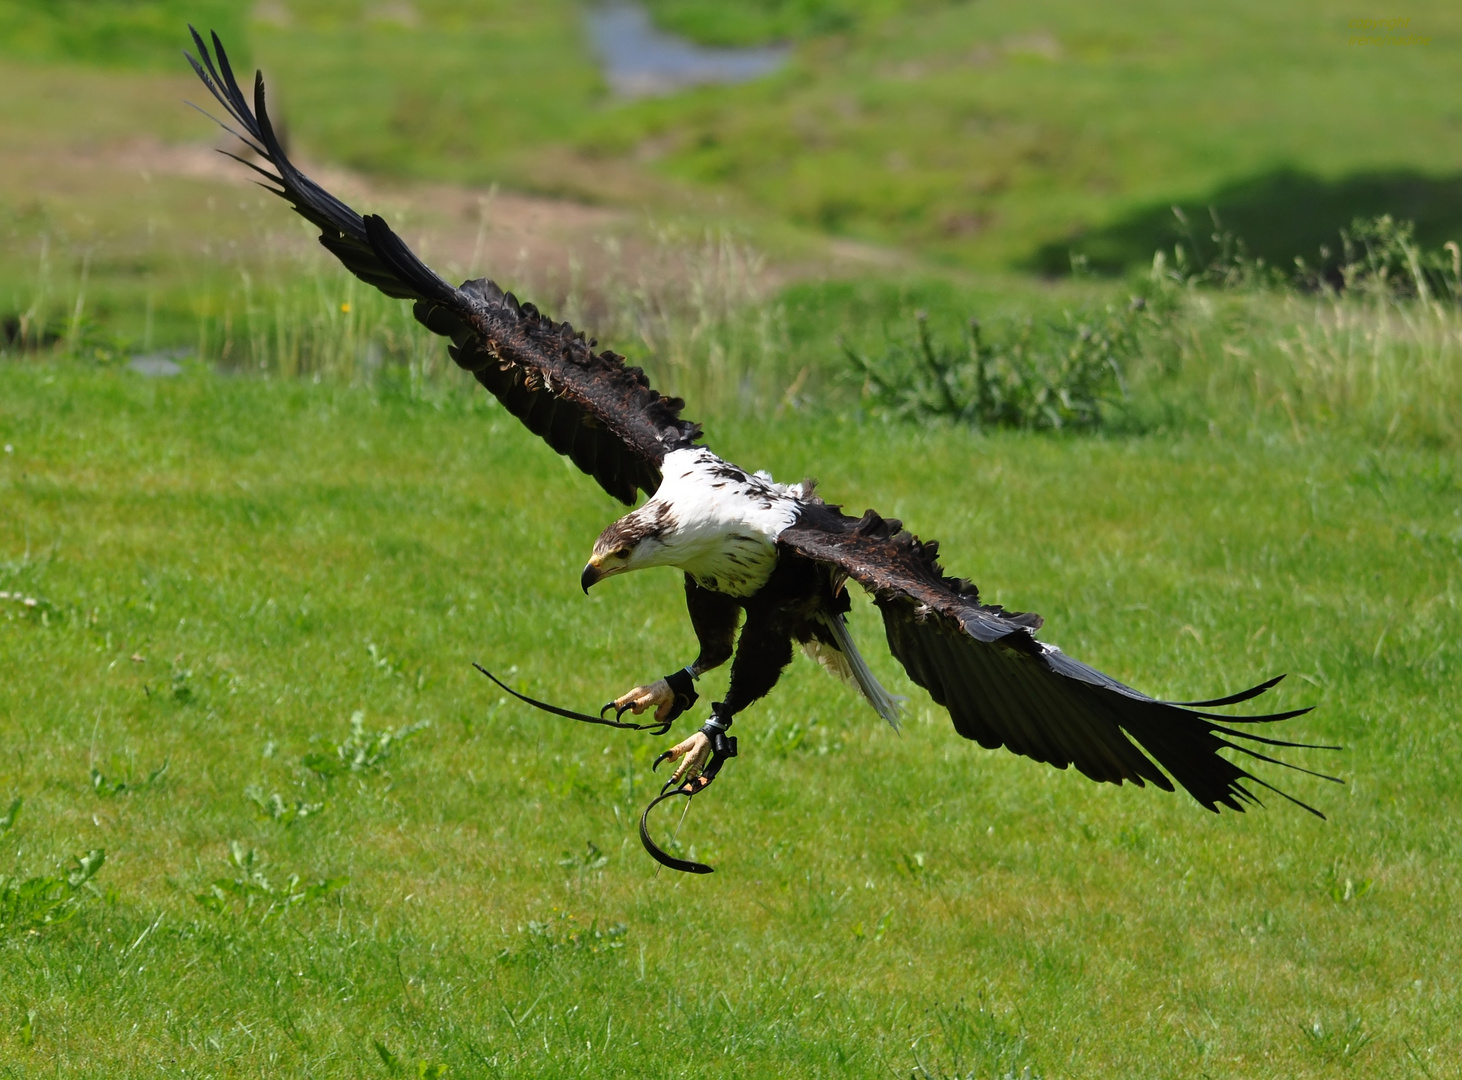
x,y
1002,687
588,405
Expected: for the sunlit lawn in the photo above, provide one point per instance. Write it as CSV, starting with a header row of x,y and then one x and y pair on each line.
x,y
229,569
203,580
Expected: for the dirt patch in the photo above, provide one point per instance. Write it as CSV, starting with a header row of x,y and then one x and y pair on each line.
x,y
464,229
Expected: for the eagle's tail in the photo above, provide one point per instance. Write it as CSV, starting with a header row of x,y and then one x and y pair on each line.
x,y
889,706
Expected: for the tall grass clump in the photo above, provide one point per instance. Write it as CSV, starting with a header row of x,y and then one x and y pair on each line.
x,y
282,318
1371,345
322,325
699,313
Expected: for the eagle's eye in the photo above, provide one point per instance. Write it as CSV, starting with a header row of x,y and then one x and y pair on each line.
x,y
622,553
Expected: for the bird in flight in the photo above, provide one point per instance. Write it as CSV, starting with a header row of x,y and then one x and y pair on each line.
x,y
773,559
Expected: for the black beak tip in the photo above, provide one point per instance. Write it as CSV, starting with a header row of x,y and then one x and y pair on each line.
x,y
588,577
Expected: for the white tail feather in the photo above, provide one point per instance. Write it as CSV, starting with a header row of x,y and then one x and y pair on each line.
x,y
888,705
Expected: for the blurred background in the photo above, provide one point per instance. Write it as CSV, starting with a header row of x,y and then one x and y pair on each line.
x,y
755,199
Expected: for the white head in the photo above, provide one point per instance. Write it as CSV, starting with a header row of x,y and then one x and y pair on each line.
x,y
634,541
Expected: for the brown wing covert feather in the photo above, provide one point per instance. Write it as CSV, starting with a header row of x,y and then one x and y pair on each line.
x,y
591,406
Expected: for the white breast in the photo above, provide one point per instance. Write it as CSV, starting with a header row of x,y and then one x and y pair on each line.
x,y
725,521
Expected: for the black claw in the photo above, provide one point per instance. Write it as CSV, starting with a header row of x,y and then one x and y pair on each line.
x,y
606,707
663,757
626,707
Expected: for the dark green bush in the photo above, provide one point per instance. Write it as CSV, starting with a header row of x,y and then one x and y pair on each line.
x,y
1029,375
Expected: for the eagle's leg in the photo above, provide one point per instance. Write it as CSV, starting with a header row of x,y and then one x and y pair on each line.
x,y
659,695
713,616
763,653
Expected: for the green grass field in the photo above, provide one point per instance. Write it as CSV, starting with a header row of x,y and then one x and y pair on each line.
x,y
239,607
227,569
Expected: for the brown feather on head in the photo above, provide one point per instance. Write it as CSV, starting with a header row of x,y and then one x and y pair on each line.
x,y
628,543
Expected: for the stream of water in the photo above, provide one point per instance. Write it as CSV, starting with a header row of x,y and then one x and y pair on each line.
x,y
641,61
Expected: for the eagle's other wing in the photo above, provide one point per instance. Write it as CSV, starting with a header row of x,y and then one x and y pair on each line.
x,y
1002,687
589,405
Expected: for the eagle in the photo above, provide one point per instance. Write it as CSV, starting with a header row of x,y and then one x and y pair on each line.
x,y
770,559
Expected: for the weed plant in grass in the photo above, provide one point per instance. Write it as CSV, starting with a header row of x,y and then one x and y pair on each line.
x,y
230,568
1051,377
33,904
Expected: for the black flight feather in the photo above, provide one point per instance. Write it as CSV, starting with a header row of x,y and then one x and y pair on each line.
x,y
590,406
1002,687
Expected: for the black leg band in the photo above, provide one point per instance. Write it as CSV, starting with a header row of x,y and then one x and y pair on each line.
x,y
682,685
722,745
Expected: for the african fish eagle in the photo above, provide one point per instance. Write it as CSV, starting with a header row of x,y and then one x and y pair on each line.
x,y
774,555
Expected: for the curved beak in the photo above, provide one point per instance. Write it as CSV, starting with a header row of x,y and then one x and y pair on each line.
x,y
590,575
